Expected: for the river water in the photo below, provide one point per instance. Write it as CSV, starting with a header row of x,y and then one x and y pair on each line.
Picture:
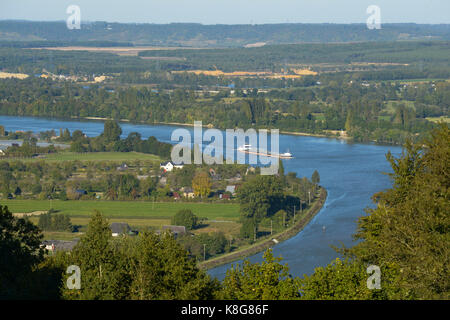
x,y
350,172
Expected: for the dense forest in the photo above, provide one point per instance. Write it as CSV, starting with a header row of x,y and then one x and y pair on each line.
x,y
368,61
193,34
384,112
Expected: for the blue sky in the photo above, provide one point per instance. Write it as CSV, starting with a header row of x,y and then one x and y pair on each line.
x,y
230,11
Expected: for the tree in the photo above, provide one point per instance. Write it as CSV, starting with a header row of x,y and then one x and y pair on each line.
x,y
406,235
111,131
347,280
315,178
409,226
162,269
201,184
20,253
260,197
77,147
185,217
249,228
268,280
97,259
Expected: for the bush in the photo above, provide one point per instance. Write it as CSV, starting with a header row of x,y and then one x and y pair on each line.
x,y
185,218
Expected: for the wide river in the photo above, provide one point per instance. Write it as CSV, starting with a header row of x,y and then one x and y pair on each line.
x,y
351,173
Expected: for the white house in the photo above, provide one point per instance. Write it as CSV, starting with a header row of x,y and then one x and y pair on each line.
x,y
169,166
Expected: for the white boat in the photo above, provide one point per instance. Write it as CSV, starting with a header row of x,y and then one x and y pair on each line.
x,y
247,148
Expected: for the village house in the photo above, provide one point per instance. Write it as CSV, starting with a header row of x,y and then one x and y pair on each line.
x,y
175,230
169,166
121,228
188,192
231,189
59,245
122,167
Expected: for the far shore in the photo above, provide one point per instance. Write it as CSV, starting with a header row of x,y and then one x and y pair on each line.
x,y
210,126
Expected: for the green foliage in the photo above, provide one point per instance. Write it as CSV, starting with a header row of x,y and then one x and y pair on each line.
x,y
185,217
410,225
112,131
406,235
147,267
20,253
347,280
268,280
315,177
256,204
249,228
98,261
162,269
55,222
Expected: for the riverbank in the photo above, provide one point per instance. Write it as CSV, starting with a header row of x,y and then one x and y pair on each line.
x,y
336,134
270,242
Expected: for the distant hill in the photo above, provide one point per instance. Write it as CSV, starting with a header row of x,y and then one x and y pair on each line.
x,y
198,35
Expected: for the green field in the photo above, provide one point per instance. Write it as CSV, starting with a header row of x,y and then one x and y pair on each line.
x,y
439,119
126,209
96,156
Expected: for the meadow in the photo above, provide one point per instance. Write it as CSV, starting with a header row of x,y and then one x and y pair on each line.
x,y
126,209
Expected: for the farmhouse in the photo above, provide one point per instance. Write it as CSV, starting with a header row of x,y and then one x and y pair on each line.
x,y
175,230
121,228
122,167
231,189
169,166
188,192
59,245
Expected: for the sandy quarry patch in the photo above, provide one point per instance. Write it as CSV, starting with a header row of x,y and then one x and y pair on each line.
x,y
5,75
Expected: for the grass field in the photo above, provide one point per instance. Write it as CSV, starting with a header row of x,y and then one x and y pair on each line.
x,y
140,215
439,119
126,209
97,156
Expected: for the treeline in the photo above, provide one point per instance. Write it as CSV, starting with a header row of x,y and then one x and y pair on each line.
x,y
365,60
28,149
55,222
273,58
405,236
74,180
370,108
284,199
198,35
110,140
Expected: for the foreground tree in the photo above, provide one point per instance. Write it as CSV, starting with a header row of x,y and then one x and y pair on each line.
x,y
162,269
268,280
406,235
20,254
98,261
148,267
